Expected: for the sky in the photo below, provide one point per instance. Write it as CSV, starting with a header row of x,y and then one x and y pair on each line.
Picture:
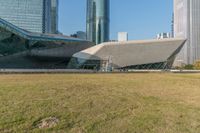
x,y
142,19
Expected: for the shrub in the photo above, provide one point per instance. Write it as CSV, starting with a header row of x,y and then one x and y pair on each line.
x,y
189,67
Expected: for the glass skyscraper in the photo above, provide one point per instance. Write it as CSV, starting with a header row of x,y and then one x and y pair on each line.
x,y
54,16
98,12
187,25
31,15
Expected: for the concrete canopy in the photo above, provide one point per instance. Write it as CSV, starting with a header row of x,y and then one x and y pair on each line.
x,y
132,54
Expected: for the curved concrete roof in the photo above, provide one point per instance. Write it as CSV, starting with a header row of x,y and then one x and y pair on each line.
x,y
133,52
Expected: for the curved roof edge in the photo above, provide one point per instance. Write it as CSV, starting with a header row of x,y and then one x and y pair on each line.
x,y
36,36
96,48
144,41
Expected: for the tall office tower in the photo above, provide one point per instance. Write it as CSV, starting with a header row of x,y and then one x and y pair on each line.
x,y
98,20
187,25
172,26
31,15
54,16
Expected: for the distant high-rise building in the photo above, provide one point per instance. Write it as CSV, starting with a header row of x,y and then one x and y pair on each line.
x,y
163,35
98,20
31,15
122,36
187,25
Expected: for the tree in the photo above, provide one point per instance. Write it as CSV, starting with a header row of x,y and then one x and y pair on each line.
x,y
197,65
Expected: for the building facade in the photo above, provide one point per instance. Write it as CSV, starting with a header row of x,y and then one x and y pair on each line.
x,y
187,25
31,15
98,20
26,50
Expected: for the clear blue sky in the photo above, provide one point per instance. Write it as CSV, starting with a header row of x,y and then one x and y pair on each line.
x,y
142,19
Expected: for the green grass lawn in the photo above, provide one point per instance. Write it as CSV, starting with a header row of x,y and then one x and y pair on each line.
x,y
101,103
